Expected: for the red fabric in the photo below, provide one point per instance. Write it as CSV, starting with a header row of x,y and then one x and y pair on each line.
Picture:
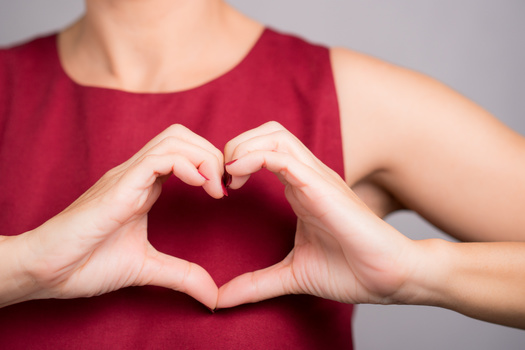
x,y
57,138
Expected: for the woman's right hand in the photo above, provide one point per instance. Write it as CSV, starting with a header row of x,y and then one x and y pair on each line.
x,y
99,243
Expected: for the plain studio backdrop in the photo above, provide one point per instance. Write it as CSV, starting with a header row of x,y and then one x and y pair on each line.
x,y
474,46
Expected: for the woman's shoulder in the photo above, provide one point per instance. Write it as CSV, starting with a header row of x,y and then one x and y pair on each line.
x,y
33,51
372,91
293,46
294,60
26,68
29,61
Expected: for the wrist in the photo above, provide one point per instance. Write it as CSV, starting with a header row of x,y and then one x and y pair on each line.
x,y
18,282
430,277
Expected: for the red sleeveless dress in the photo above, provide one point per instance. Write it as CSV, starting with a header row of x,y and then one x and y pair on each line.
x,y
57,138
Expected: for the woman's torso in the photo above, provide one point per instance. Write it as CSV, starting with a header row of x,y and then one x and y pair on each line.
x,y
57,138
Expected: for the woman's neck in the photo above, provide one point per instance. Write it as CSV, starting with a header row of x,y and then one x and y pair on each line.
x,y
156,45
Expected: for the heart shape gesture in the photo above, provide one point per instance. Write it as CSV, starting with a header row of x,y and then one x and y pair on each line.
x,y
342,250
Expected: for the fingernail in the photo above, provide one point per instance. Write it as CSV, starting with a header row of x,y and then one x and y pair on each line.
x,y
226,178
204,176
230,163
224,190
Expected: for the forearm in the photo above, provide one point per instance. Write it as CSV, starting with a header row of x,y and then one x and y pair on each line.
x,y
17,283
481,280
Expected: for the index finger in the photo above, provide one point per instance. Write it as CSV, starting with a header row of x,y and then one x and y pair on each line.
x,y
183,133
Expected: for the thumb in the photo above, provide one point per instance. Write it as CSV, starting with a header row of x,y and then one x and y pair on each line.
x,y
259,285
163,270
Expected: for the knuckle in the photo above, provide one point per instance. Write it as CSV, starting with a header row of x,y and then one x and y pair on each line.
x,y
148,160
274,125
171,141
176,129
169,144
284,135
212,158
218,156
185,278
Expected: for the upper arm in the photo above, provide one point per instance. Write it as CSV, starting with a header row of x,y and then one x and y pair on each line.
x,y
433,150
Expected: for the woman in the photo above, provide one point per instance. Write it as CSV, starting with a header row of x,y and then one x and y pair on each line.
x,y
202,64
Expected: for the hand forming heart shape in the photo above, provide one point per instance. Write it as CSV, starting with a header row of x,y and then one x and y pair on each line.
x,y
342,250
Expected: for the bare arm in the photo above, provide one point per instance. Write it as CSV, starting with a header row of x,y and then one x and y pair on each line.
x,y
418,143
481,280
411,141
346,253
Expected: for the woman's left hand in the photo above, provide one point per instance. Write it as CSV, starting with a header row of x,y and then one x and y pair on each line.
x,y
342,251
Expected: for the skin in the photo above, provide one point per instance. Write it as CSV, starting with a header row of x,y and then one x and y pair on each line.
x,y
67,257
464,176
344,252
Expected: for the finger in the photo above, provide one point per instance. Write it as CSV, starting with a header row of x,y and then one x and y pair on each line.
x,y
268,137
280,141
208,163
264,129
182,133
170,272
237,181
230,147
135,193
256,286
320,193
271,136
190,168
286,166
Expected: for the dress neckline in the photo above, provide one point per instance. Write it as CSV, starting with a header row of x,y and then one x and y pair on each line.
x,y
208,84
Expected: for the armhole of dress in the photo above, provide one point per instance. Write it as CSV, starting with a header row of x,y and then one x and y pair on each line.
x,y
337,131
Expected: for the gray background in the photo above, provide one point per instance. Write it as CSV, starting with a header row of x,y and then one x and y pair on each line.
x,y
474,46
